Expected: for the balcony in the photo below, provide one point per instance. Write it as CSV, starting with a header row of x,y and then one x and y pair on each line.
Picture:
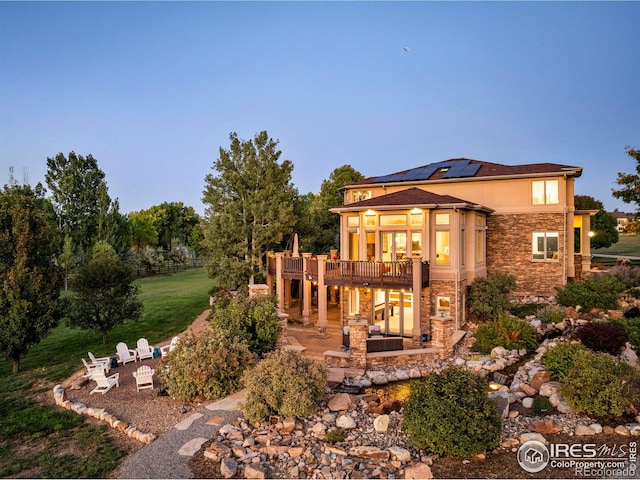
x,y
349,273
373,274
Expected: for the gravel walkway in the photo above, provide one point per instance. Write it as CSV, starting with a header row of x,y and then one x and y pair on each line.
x,y
168,455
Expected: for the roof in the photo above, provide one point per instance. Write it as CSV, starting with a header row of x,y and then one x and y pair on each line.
x,y
410,198
457,169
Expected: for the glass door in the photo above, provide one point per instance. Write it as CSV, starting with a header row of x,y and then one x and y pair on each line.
x,y
394,246
393,312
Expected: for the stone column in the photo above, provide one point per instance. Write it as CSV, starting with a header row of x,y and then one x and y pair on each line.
x,y
416,332
442,331
306,290
322,298
358,333
280,284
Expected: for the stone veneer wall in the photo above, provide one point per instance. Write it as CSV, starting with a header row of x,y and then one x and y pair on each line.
x,y
509,251
447,288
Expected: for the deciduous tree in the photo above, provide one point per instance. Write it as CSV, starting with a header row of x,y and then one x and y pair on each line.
x,y
249,208
629,191
603,225
30,280
104,295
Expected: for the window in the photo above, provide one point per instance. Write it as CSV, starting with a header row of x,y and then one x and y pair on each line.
x,y
416,219
370,218
353,221
416,244
544,192
442,219
481,238
360,195
442,247
371,246
393,219
545,245
354,242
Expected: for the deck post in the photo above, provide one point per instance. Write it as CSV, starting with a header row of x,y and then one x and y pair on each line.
x,y
322,298
306,290
280,284
416,332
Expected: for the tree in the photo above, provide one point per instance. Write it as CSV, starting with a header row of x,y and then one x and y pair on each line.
x,y
603,225
630,183
249,208
76,185
103,294
144,232
30,279
327,224
174,221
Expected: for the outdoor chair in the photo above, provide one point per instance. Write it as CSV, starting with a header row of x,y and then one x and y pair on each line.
x,y
105,360
125,354
143,349
104,383
91,367
144,377
169,348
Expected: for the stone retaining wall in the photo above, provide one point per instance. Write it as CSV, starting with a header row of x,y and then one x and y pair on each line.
x,y
60,397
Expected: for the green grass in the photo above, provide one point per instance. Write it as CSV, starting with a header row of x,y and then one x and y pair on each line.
x,y
41,441
171,303
628,245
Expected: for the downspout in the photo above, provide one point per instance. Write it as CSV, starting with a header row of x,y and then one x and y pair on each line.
x,y
456,272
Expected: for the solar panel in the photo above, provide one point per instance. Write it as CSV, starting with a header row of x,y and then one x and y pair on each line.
x,y
462,170
457,169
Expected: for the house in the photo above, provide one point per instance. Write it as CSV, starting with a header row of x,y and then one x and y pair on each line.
x,y
622,219
412,242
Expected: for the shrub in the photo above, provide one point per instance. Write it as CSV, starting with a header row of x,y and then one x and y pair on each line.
x,y
560,359
608,337
600,385
254,320
489,297
522,310
551,314
541,404
627,274
632,327
602,292
284,383
335,436
210,365
508,332
451,413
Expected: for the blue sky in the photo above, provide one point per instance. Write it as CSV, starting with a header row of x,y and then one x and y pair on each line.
x,y
152,90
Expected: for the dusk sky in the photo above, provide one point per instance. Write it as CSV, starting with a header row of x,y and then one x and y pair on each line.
x,y
153,89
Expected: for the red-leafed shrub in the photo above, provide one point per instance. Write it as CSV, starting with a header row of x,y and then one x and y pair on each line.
x,y
605,337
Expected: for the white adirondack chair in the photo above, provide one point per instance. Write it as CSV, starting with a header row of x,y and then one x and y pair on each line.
x,y
125,354
143,349
169,348
104,383
144,377
96,360
91,367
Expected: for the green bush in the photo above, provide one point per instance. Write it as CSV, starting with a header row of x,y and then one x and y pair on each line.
x,y
254,320
561,358
600,385
210,365
283,383
551,314
608,337
451,413
542,404
632,327
508,332
523,310
489,297
602,292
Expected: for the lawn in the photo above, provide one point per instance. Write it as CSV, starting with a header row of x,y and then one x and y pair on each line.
x,y
27,429
628,245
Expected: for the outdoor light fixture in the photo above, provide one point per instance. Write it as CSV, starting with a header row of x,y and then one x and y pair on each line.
x,y
592,234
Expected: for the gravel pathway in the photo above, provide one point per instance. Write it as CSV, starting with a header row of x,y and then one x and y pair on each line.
x,y
168,455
